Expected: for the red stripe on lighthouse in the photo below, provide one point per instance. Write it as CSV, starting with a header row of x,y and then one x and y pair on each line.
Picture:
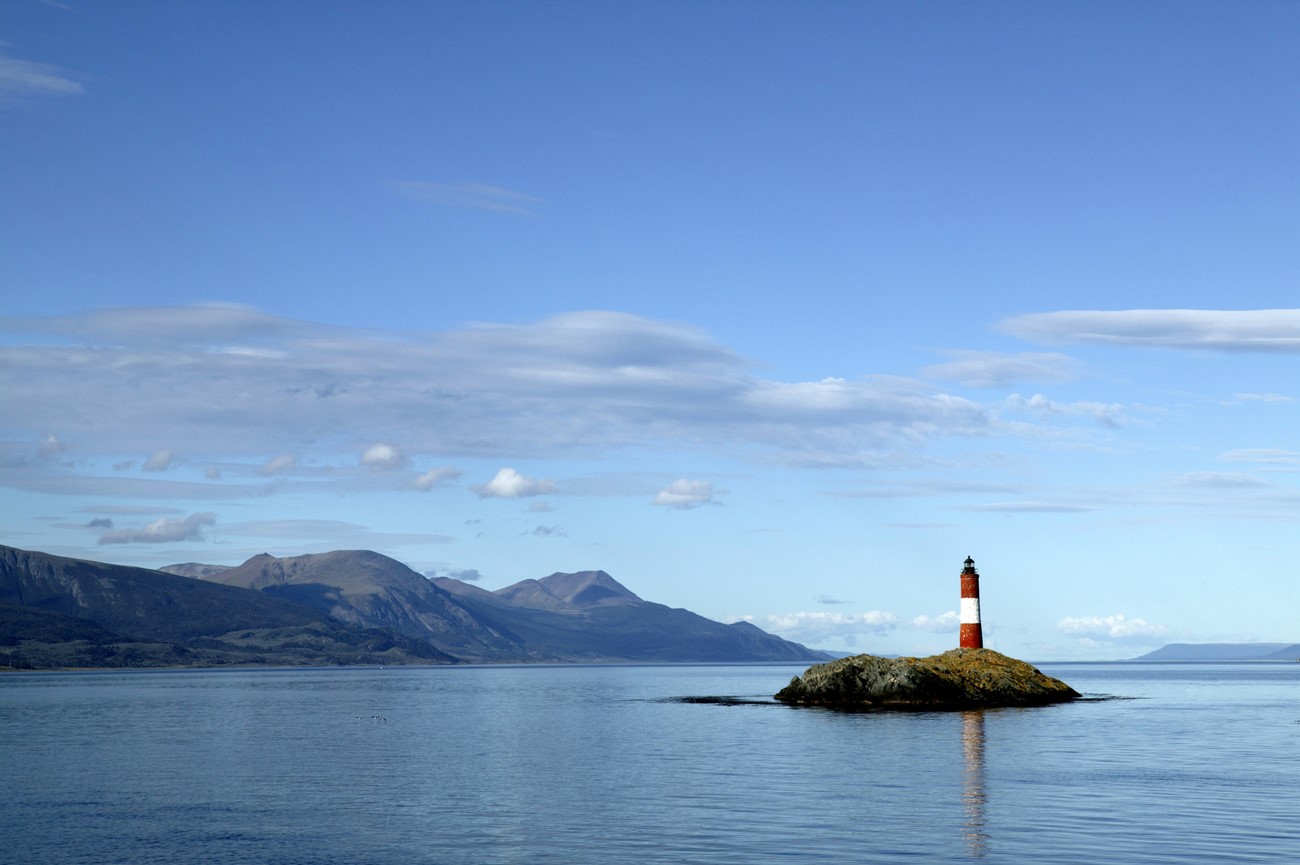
x,y
972,634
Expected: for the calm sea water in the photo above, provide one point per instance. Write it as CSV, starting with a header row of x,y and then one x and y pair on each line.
x,y
583,765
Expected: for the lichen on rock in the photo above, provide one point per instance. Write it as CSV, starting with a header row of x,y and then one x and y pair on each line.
x,y
957,679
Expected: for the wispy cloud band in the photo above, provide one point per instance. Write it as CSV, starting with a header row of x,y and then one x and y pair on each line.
x,y
28,78
475,196
181,380
1248,330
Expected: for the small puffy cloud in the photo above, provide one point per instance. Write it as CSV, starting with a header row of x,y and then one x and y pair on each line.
x,y
829,601
160,461
50,446
384,457
467,575
162,531
279,465
435,477
684,495
510,484
100,523
1116,628
549,531
942,623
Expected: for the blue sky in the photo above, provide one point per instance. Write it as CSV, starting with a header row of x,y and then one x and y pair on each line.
x,y
770,310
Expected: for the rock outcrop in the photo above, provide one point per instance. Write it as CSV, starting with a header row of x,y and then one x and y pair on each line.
x,y
957,679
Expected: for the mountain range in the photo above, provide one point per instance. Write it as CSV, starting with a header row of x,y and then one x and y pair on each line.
x,y
343,607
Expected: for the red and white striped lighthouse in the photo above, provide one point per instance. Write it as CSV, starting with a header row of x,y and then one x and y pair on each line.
x,y
972,635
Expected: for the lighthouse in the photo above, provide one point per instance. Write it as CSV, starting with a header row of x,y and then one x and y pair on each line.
x,y
972,635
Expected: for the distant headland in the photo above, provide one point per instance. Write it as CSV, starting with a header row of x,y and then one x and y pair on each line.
x,y
1224,652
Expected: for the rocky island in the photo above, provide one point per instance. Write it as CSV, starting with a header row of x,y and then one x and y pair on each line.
x,y
968,678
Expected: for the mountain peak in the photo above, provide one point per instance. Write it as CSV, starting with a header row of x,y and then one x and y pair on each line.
x,y
195,570
583,590
589,589
346,569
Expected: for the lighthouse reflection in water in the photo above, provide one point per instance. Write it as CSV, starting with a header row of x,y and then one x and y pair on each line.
x,y
973,793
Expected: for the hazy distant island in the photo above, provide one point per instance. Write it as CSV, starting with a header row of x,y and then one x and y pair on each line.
x,y
1224,652
343,607
958,679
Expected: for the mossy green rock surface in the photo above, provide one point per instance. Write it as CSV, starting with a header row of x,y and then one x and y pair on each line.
x,y
957,679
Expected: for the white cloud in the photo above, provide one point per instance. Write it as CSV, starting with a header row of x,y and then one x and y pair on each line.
x,y
684,495
1026,507
1253,330
583,383
940,624
384,457
510,484
163,531
279,465
881,401
128,510
1268,398
327,534
475,196
1218,480
994,369
1107,414
1117,628
50,446
1266,456
925,488
434,477
822,627
467,575
160,461
26,78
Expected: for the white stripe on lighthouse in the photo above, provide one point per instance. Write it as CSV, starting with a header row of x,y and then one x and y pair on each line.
x,y
970,611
